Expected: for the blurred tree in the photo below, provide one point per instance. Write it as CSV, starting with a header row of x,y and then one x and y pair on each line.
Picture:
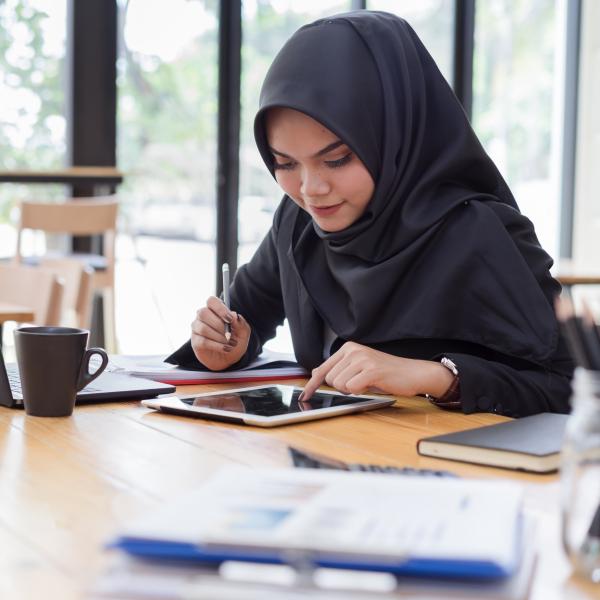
x,y
514,84
167,117
32,65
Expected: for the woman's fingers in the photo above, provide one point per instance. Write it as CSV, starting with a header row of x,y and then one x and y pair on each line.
x,y
318,377
319,374
209,342
206,319
218,308
340,376
360,383
203,330
349,370
211,319
204,344
239,327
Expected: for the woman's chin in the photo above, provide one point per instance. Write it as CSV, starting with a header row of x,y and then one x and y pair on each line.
x,y
329,227
333,223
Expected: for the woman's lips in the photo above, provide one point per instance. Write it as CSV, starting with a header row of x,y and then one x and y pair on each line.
x,y
325,211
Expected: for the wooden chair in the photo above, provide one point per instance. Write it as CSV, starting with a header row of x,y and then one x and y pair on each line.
x,y
81,217
77,295
34,287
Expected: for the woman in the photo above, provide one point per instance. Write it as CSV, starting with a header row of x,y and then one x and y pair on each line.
x,y
398,253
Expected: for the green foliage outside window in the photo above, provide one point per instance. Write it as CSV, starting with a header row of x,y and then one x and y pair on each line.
x,y
32,70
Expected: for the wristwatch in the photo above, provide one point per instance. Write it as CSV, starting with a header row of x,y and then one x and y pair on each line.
x,y
450,365
451,398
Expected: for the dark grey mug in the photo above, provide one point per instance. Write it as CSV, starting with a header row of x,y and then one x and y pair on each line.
x,y
54,365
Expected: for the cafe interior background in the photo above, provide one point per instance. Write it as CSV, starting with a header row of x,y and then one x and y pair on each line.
x,y
525,70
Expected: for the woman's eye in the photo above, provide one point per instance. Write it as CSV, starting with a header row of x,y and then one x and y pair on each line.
x,y
288,166
340,162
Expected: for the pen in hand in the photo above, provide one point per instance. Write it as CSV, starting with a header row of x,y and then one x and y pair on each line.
x,y
225,270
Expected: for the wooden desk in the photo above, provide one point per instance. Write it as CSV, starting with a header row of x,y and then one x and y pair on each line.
x,y
68,484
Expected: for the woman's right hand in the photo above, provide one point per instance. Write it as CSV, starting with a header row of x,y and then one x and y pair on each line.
x,y
208,335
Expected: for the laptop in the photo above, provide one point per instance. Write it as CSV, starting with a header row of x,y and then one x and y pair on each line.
x,y
107,387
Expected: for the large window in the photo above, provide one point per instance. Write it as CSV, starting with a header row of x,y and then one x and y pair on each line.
x,y
32,93
516,107
167,106
433,20
586,235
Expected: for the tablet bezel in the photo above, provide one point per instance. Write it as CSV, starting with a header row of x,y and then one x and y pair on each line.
x,y
174,405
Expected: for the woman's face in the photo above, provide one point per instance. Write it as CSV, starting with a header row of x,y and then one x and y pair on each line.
x,y
317,170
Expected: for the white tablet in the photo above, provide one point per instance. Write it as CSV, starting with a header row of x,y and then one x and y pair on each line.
x,y
266,405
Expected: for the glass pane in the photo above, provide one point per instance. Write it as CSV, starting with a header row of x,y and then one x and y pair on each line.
x,y
32,93
586,231
167,110
433,20
267,24
515,89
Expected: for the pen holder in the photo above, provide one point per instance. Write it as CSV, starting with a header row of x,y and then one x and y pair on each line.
x,y
580,476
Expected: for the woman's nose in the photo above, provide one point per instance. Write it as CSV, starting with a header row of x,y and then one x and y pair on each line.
x,y
313,184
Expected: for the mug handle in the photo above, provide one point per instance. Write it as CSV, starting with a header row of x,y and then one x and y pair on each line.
x,y
85,376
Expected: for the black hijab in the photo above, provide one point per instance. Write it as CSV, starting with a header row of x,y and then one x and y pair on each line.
x,y
442,250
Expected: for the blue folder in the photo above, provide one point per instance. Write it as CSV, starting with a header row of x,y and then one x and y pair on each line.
x,y
425,568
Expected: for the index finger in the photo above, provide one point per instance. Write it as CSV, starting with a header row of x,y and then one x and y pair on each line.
x,y
218,307
318,376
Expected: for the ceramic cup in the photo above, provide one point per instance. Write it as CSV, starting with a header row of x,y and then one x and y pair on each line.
x,y
54,365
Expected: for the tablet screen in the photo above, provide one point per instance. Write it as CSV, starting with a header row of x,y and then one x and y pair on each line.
x,y
270,401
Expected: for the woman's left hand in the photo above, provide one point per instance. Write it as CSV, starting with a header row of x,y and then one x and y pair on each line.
x,y
355,369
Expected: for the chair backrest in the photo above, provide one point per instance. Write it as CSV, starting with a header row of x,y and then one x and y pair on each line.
x,y
77,295
85,216
38,289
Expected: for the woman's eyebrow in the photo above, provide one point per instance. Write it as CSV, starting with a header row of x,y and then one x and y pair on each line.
x,y
279,153
329,148
325,150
